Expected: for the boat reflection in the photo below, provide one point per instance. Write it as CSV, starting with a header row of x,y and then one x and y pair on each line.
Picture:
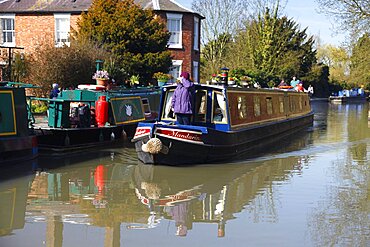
x,y
114,190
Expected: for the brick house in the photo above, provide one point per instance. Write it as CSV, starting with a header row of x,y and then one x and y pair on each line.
x,y
29,23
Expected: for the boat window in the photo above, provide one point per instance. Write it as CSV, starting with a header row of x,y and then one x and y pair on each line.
x,y
242,107
281,104
168,114
257,106
200,105
219,108
292,104
146,106
269,105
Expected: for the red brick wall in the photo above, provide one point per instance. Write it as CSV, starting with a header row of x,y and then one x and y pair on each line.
x,y
35,30
32,31
187,53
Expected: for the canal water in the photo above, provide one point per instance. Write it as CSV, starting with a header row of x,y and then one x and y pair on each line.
x,y
310,190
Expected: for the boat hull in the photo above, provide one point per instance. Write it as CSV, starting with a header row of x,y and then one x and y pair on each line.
x,y
343,99
60,141
219,146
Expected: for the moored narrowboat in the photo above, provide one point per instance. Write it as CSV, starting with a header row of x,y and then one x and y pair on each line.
x,y
17,143
90,117
228,123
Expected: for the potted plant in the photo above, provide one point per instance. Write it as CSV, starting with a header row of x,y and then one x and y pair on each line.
x,y
134,79
162,78
101,77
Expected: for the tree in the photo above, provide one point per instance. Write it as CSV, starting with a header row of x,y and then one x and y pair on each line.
x,y
337,59
136,37
274,46
360,63
348,14
67,66
223,20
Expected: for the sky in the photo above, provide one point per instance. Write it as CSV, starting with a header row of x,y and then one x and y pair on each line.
x,y
305,14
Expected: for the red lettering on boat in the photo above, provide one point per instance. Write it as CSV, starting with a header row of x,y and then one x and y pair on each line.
x,y
181,134
140,131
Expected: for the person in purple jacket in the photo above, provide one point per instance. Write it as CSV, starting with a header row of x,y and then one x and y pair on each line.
x,y
182,99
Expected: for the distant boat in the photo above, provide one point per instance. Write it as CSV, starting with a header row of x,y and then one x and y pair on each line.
x,y
16,141
349,96
228,123
72,121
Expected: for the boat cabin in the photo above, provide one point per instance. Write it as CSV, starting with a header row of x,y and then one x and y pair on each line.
x,y
232,108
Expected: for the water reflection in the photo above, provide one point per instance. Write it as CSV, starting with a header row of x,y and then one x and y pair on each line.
x,y
114,189
343,217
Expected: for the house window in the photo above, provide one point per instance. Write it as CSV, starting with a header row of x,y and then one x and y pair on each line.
x,y
176,69
195,71
8,30
62,28
174,26
196,33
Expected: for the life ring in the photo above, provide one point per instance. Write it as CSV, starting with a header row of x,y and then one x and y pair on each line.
x,y
91,87
285,87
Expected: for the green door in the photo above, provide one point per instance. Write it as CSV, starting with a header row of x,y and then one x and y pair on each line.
x,y
8,124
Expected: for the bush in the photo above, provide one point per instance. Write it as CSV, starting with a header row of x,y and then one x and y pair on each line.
x,y
67,66
39,108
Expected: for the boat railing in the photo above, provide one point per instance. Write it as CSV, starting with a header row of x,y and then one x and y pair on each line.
x,y
17,84
58,110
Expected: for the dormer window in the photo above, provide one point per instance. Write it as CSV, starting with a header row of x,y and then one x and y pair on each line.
x,y
174,26
8,30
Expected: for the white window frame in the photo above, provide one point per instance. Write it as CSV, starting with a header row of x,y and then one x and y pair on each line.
x,y
8,16
175,17
196,71
56,33
196,33
176,63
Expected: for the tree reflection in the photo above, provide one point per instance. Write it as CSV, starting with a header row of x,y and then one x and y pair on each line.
x,y
343,218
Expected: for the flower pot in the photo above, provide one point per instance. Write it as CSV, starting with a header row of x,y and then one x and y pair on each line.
x,y
102,82
161,82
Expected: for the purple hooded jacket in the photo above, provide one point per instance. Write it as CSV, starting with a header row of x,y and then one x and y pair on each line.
x,y
182,99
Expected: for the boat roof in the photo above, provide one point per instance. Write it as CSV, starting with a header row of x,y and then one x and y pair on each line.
x,y
233,88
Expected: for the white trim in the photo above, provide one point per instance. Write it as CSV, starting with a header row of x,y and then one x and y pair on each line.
x,y
156,5
7,15
181,6
174,16
196,75
196,36
177,63
62,15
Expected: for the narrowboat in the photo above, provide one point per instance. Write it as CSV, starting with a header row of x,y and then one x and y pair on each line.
x,y
228,123
90,116
349,96
17,143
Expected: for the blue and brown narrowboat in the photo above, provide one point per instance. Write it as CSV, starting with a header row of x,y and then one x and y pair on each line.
x,y
17,143
228,123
